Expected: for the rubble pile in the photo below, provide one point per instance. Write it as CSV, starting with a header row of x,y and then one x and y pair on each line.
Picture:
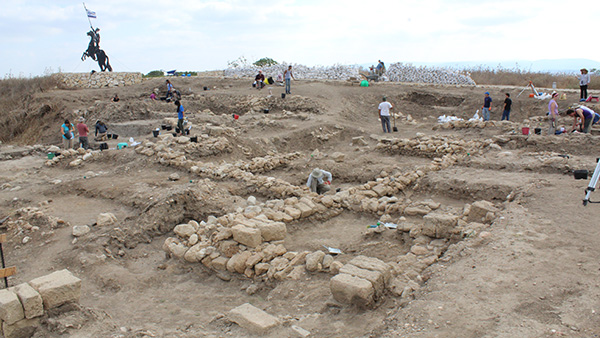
x,y
425,145
335,72
78,156
399,72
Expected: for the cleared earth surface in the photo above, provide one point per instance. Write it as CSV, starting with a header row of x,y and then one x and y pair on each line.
x,y
532,270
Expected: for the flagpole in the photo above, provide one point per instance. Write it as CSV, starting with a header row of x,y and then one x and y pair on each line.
x,y
86,14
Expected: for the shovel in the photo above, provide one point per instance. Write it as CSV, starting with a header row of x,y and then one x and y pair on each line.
x,y
394,117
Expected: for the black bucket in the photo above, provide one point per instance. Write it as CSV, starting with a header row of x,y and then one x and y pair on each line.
x,y
580,174
205,88
155,133
266,111
168,128
194,139
538,131
177,130
109,136
115,136
174,134
283,95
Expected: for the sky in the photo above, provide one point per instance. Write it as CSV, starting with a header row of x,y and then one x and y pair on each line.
x,y
38,37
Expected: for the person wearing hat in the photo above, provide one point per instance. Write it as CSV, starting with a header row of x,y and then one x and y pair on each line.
x,y
584,80
487,106
319,181
384,115
83,131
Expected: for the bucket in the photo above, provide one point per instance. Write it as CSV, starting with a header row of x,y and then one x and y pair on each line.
x,y
266,111
115,136
122,145
538,131
205,88
283,95
531,95
525,130
236,116
194,139
155,133
50,156
580,174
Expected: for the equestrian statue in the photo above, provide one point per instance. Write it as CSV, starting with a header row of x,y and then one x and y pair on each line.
x,y
93,51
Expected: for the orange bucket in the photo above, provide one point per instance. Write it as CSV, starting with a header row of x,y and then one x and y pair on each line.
x,y
525,130
531,95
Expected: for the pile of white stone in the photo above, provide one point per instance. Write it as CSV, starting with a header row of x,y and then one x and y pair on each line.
x,y
80,155
335,72
399,72
436,145
22,306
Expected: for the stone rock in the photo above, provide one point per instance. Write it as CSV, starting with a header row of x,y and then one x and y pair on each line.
x,y
272,231
11,310
57,288
174,177
479,210
80,230
261,268
237,263
375,277
293,212
252,211
335,267
271,251
420,210
327,260
193,239
220,263
21,329
352,290
359,141
251,200
250,237
300,332
438,225
184,230
106,219
305,210
374,264
174,247
30,299
338,157
314,261
419,250
253,319
229,248
196,253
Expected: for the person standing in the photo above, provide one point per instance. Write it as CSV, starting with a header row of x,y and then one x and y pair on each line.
x,y
288,76
101,131
169,90
180,116
487,106
507,105
319,181
66,129
83,131
584,80
380,68
552,114
384,115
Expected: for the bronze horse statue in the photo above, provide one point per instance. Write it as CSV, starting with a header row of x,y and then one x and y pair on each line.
x,y
93,51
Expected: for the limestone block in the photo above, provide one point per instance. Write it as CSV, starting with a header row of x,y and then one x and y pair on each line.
x,y
105,219
220,263
253,319
352,290
248,236
272,231
293,212
174,247
228,248
439,225
237,263
374,264
58,288
375,277
479,210
22,328
381,189
11,310
271,251
30,299
80,230
184,230
254,259
314,261
305,210
417,211
261,268
196,253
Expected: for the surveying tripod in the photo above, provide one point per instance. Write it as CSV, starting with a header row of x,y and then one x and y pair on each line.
x,y
593,183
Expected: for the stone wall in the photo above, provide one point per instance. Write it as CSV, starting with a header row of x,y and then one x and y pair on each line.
x,y
98,79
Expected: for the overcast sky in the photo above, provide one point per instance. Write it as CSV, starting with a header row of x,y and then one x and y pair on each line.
x,y
38,36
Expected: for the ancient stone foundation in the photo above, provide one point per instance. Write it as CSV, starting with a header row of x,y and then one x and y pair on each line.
x,y
98,79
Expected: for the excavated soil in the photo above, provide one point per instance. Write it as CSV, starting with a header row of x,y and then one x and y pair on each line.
x,y
531,271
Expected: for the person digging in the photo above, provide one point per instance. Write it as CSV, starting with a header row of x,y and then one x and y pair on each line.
x,y
319,181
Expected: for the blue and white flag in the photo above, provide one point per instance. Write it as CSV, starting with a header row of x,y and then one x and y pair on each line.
x,y
91,14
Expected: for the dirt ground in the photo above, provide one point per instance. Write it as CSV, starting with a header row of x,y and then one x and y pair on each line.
x,y
533,272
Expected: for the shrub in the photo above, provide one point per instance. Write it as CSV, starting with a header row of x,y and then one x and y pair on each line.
x,y
155,73
265,62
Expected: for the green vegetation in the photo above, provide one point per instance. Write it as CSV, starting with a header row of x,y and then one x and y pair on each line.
x,y
155,73
265,62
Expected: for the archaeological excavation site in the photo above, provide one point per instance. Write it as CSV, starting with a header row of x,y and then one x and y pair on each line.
x,y
448,226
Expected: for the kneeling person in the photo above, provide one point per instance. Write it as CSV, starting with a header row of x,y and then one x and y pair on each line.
x,y
319,181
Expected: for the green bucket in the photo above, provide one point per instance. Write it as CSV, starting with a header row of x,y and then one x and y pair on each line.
x,y
50,156
364,83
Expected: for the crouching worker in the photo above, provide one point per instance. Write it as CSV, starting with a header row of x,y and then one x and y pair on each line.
x,y
583,118
319,181
101,131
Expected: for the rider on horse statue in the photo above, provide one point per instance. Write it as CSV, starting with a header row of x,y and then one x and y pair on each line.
x,y
93,51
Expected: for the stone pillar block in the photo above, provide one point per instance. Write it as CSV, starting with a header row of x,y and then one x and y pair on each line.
x,y
57,288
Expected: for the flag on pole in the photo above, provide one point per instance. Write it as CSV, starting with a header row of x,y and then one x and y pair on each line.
x,y
90,14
